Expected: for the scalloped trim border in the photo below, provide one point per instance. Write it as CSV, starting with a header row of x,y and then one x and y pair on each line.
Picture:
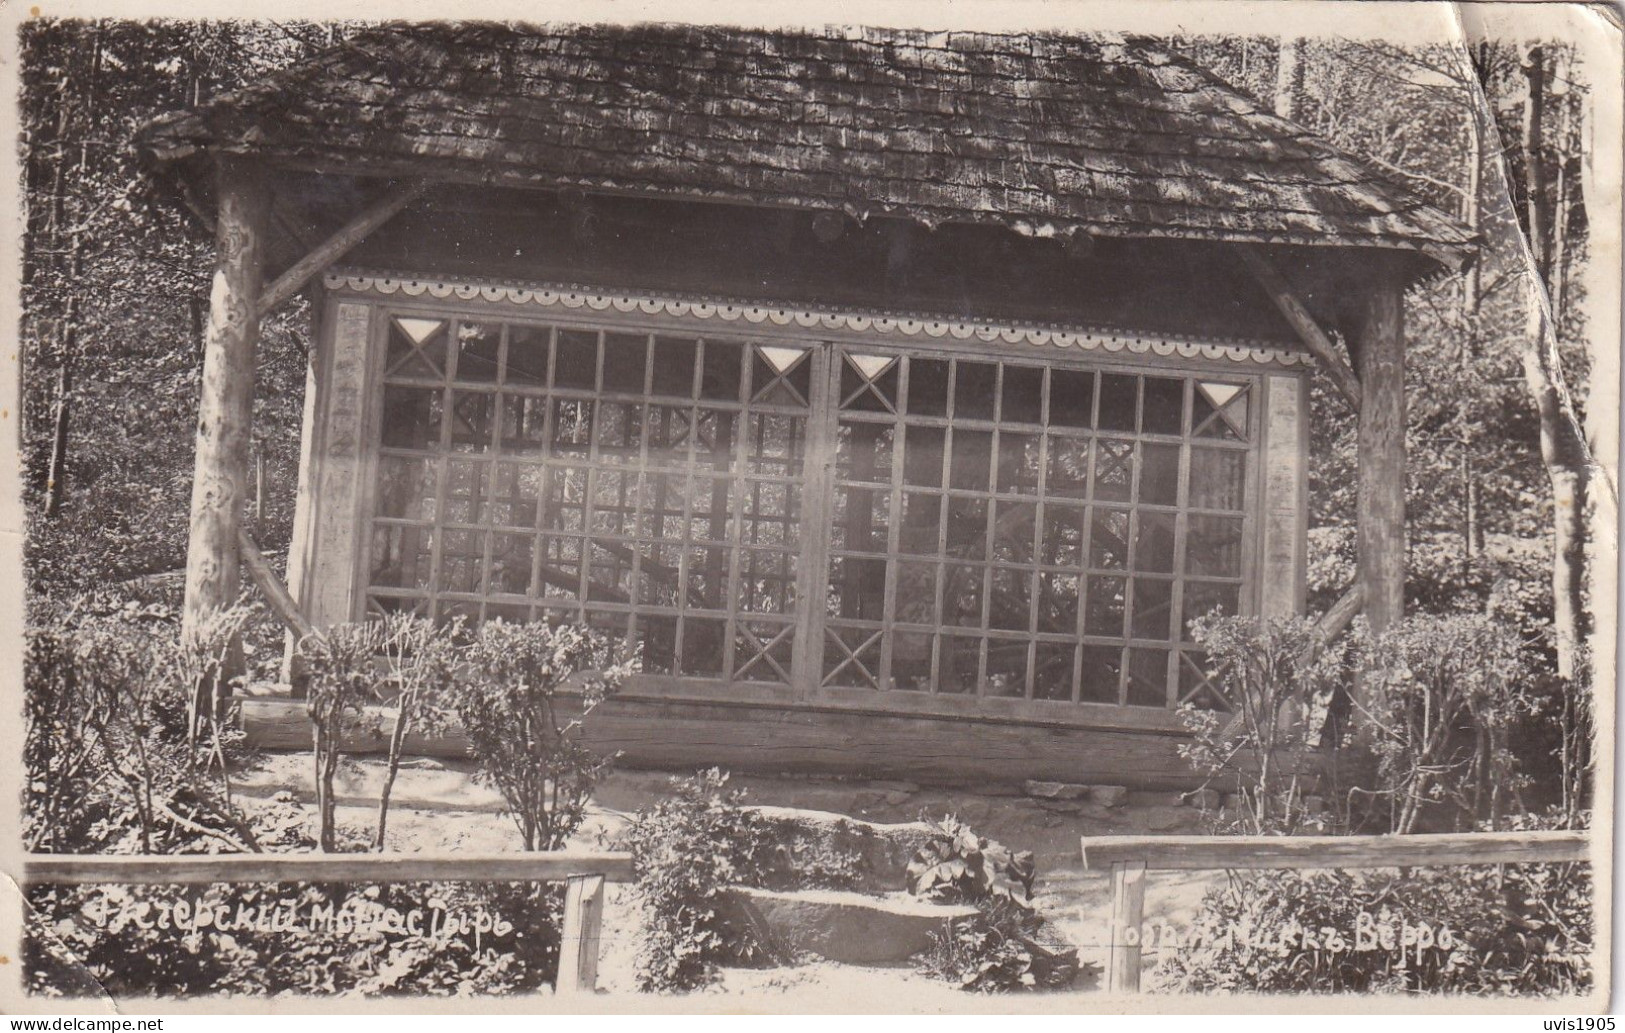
x,y
602,299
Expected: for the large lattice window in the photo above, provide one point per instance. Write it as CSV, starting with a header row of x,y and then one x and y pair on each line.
x,y
648,484
1032,533
1020,529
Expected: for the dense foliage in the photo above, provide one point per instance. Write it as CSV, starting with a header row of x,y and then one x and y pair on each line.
x,y
688,849
114,757
1279,675
1442,697
115,293
957,866
524,732
1008,945
1445,702
1522,929
115,764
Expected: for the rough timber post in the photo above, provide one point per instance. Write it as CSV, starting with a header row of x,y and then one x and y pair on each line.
x,y
1123,957
225,407
1378,332
578,941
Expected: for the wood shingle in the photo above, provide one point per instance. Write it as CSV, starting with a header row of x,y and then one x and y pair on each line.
x,y
1105,134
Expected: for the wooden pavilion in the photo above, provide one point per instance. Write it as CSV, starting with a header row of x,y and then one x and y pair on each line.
x,y
902,394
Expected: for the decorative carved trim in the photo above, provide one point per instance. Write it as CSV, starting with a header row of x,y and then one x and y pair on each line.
x,y
603,299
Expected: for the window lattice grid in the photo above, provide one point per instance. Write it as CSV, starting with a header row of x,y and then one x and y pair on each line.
x,y
648,484
996,528
1022,531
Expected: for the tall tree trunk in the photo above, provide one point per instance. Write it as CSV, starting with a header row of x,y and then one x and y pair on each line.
x,y
56,474
1562,440
1288,77
1472,208
1377,333
226,399
1568,468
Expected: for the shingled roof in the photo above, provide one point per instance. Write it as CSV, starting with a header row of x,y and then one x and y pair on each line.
x,y
1048,135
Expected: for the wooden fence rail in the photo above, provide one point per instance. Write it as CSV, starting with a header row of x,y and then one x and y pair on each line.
x,y
584,875
1130,857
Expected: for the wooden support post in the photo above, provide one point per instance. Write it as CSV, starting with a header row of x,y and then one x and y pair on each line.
x,y
1378,334
226,405
1128,917
1297,315
578,949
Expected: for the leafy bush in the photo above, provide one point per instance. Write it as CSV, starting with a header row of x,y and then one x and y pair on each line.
x,y
1000,950
1442,696
1509,579
1278,675
523,730
113,759
1007,945
785,855
421,661
956,866
1457,930
60,751
342,676
688,849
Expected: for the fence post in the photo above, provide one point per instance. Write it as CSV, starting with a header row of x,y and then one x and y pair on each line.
x,y
578,946
1128,914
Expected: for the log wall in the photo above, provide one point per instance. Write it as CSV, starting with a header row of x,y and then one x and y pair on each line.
x,y
681,735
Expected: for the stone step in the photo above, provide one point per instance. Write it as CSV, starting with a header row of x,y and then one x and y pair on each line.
x,y
851,928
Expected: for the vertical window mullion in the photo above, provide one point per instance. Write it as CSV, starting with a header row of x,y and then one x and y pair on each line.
x,y
1033,539
817,492
736,499
640,469
480,500
589,477
1085,579
447,417
985,566
894,533
487,477
690,484
539,560
1181,537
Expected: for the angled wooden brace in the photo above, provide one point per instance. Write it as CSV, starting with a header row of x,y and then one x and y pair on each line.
x,y
1331,624
1318,342
275,592
334,247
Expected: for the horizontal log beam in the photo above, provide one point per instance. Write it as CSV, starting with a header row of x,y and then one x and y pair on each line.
x,y
293,280
1212,853
170,869
771,736
1297,315
276,594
